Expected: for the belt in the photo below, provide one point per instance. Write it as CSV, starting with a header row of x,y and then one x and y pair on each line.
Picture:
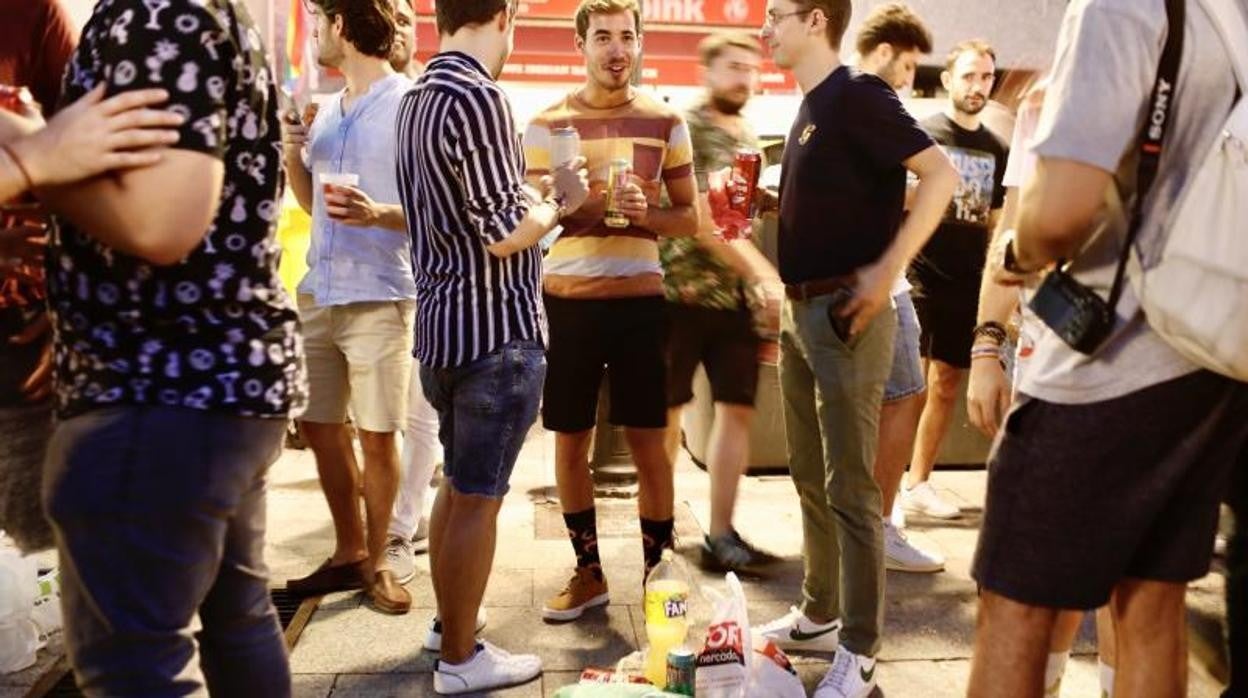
x,y
819,287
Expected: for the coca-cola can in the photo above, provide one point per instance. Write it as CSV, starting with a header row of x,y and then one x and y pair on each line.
x,y
747,165
565,146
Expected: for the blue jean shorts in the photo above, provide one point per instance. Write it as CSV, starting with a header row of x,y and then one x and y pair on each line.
x,y
906,377
485,409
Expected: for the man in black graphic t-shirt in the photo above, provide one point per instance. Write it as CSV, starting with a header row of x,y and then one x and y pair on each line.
x,y
946,273
178,362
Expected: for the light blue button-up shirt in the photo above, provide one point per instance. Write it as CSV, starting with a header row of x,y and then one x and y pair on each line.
x,y
350,264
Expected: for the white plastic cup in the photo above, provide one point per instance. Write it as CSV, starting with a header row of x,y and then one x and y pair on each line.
x,y
339,179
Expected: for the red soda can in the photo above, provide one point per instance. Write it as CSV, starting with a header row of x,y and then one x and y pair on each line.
x,y
747,165
16,99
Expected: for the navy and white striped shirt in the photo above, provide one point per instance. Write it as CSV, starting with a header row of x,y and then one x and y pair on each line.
x,y
461,171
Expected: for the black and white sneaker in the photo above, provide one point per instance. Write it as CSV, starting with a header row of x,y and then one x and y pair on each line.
x,y
732,553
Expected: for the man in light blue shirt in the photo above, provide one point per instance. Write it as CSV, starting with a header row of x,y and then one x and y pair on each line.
x,y
358,297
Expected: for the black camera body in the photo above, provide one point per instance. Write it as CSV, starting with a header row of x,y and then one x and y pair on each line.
x,y
1073,311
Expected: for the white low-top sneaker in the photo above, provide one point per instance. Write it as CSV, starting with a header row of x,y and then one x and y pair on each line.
x,y
489,668
922,499
433,641
850,676
794,631
900,555
401,559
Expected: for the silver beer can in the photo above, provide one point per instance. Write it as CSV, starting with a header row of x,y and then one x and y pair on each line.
x,y
565,146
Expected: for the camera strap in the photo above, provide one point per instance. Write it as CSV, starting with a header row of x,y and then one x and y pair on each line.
x,y
1152,134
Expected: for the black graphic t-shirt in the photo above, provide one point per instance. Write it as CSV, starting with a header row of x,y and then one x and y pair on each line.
x,y
953,258
217,330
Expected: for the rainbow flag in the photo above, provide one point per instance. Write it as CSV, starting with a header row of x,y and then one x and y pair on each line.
x,y
300,76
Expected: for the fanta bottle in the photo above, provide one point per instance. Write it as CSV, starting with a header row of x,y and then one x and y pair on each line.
x,y
667,622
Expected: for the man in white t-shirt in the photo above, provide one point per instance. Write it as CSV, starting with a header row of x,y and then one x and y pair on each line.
x,y
1106,479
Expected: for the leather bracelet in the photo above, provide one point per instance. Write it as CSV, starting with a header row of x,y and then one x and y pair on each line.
x,y
991,330
17,162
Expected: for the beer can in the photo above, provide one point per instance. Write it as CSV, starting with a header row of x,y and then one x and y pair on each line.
x,y
565,146
681,663
747,165
617,178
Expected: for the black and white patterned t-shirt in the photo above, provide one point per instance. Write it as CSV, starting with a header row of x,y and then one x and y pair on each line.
x,y
217,330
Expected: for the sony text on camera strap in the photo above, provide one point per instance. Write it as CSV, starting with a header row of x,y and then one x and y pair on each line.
x,y
1152,134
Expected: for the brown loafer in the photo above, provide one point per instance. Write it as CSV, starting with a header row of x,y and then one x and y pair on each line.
x,y
329,578
388,595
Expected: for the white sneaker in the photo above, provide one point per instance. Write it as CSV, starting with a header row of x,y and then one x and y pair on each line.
x,y
401,559
850,676
922,499
796,632
900,555
898,517
433,641
489,668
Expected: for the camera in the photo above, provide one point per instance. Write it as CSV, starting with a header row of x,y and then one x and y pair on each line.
x,y
1073,311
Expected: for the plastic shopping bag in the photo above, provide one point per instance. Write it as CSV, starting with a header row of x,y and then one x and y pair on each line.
x,y
19,637
771,672
723,664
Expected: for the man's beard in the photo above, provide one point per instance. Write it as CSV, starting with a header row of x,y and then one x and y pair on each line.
x,y
966,106
728,106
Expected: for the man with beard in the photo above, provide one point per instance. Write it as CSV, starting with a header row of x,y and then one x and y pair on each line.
x,y
604,287
946,274
403,51
707,283
890,43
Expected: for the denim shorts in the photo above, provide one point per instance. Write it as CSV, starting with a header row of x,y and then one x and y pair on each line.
x,y
906,377
485,409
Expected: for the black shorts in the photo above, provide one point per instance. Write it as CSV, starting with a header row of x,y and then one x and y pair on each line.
x,y
1083,496
721,340
946,325
623,337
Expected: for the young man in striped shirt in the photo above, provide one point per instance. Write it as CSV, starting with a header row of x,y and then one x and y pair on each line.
x,y
479,335
604,287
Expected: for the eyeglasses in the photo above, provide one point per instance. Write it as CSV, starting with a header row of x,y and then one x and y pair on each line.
x,y
774,18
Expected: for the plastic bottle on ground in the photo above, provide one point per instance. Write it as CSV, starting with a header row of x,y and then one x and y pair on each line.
x,y
667,622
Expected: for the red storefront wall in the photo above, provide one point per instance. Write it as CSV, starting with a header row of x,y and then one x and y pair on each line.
x,y
545,52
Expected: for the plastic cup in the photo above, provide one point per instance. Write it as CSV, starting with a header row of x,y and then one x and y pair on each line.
x,y
339,179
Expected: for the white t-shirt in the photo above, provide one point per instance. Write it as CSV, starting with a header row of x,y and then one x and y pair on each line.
x,y
1107,58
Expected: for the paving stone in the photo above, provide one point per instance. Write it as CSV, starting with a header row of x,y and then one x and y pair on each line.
x,y
598,638
44,660
408,685
360,640
312,685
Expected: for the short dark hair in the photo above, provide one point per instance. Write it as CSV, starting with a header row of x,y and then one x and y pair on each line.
x,y
367,24
712,46
977,46
605,7
453,15
836,11
898,26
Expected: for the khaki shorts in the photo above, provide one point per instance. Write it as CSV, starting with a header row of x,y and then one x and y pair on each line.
x,y
358,354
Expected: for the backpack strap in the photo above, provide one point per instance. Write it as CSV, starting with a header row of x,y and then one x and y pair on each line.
x,y
1152,134
1233,26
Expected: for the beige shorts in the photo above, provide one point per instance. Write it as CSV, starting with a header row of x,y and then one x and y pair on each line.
x,y
358,354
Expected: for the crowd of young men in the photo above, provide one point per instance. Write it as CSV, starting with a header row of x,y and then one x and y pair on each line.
x,y
171,324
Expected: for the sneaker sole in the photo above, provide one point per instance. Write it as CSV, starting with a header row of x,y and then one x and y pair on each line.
x,y
932,515
574,613
895,566
488,687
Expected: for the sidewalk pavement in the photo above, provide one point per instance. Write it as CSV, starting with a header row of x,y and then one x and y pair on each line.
x,y
348,650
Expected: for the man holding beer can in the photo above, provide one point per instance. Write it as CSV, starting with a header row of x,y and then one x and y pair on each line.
x,y
711,283
604,285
